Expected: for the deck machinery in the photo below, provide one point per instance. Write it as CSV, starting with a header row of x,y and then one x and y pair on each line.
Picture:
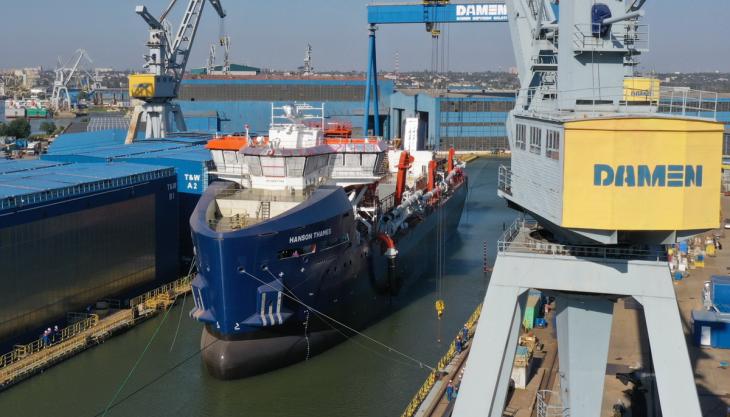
x,y
611,168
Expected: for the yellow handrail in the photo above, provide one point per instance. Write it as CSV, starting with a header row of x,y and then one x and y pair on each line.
x,y
445,360
22,351
178,286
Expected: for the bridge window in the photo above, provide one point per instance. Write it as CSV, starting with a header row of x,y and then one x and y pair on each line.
x,y
535,140
552,150
520,136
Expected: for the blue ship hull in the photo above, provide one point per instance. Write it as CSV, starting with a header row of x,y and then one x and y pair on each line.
x,y
264,308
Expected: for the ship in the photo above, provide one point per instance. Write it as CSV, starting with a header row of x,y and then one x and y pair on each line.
x,y
309,235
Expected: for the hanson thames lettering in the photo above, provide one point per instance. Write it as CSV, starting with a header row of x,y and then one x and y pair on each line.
x,y
646,176
471,12
309,236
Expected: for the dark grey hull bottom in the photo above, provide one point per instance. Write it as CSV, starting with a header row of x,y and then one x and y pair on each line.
x,y
234,359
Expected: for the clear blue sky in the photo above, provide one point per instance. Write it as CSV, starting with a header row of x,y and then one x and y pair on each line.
x,y
685,35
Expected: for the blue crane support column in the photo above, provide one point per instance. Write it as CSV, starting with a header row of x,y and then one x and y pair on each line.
x,y
372,86
376,86
427,13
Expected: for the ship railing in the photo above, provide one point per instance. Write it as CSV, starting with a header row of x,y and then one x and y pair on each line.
x,y
386,203
688,102
627,35
516,239
345,172
621,99
235,222
22,351
549,404
545,59
504,179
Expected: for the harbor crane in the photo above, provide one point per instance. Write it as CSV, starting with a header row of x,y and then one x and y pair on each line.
x,y
598,154
165,64
60,97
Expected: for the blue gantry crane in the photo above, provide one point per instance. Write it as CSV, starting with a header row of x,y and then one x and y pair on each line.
x,y
429,13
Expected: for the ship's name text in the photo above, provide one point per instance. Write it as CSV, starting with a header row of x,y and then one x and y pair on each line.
x,y
309,236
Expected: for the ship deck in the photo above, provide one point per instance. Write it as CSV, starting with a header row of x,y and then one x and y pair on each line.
x,y
240,208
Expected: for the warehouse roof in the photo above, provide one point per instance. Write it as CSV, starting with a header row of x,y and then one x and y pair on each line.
x,y
16,165
197,153
91,142
57,182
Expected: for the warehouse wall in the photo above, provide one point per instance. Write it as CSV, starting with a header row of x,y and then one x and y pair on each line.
x,y
248,101
474,122
61,257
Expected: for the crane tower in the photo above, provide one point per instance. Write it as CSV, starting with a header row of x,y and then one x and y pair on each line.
x,y
611,167
165,63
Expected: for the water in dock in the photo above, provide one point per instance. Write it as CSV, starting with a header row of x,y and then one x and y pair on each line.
x,y
355,378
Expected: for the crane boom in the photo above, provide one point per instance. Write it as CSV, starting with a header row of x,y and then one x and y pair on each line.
x,y
186,35
147,16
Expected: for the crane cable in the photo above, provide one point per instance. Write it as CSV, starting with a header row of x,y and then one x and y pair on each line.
x,y
136,364
112,404
323,315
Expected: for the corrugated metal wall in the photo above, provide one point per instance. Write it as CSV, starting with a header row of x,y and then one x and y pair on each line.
x,y
59,257
474,124
271,92
52,266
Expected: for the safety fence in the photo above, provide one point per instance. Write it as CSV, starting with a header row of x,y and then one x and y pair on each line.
x,y
84,331
517,239
549,404
161,296
23,351
434,375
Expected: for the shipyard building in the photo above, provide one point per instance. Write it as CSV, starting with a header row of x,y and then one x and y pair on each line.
x,y
466,120
186,155
73,234
229,104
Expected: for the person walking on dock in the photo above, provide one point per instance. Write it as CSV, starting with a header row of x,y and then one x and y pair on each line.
x,y
458,344
46,337
450,390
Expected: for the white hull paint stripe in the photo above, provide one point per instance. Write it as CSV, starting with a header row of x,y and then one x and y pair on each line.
x,y
278,308
263,308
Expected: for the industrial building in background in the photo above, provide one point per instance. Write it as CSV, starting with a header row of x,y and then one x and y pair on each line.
x,y
467,120
230,103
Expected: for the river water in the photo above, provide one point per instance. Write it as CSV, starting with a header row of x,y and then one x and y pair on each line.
x,y
355,378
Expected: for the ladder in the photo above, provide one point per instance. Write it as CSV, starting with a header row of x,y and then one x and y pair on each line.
x,y
265,212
